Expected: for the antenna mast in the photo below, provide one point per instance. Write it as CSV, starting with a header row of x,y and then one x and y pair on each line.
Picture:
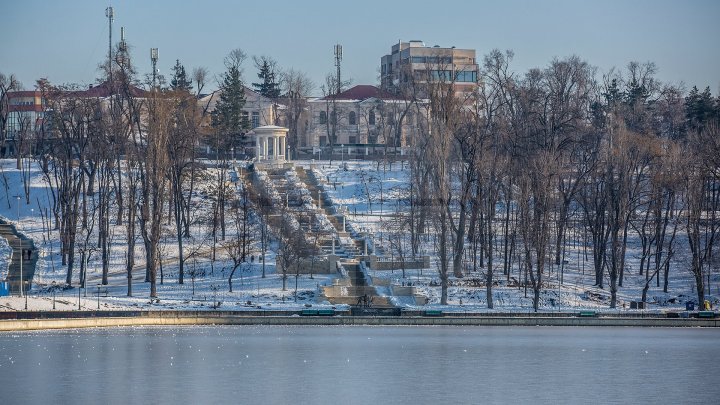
x,y
338,59
154,59
110,14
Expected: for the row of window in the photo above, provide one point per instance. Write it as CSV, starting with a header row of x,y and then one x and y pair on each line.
x,y
445,60
352,117
443,75
17,102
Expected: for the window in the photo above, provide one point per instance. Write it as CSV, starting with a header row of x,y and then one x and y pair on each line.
x,y
470,77
441,75
352,140
255,119
418,59
351,118
323,117
371,118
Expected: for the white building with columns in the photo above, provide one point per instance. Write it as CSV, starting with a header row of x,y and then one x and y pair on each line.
x,y
270,143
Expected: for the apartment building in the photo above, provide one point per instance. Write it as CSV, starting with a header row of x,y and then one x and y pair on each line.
x,y
414,62
26,111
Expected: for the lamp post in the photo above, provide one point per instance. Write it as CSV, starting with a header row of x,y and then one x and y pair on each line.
x,y
22,251
53,290
342,156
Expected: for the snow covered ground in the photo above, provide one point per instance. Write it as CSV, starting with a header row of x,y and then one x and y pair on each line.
x,y
368,192
204,291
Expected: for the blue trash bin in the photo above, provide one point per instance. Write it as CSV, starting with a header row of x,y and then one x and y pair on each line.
x,y
4,289
689,306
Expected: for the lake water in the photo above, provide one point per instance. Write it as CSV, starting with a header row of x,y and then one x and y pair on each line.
x,y
361,365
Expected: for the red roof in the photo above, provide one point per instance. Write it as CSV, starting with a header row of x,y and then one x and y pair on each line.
x,y
103,90
362,92
23,93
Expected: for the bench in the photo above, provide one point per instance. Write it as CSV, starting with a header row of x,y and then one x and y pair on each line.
x,y
706,314
433,312
587,314
318,312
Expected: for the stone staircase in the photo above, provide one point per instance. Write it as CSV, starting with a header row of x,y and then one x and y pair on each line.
x,y
343,242
325,206
352,289
20,245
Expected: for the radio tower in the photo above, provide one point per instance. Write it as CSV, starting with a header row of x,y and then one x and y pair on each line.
x,y
109,13
154,59
338,59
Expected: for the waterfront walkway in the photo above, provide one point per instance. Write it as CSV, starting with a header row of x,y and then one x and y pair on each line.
x,y
30,320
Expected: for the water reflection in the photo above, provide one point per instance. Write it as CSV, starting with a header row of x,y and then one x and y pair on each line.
x,y
360,365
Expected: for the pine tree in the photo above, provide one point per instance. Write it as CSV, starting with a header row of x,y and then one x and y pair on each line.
x,y
614,95
180,81
269,86
228,115
700,108
706,107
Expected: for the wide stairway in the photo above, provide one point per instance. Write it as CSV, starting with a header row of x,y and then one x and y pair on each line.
x,y
354,289
24,264
339,239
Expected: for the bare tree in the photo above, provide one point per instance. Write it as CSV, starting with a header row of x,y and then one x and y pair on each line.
x,y
238,247
296,87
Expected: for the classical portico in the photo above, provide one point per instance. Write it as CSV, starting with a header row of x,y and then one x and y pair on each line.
x,y
270,143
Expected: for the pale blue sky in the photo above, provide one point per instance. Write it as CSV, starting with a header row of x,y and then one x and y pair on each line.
x,y
65,40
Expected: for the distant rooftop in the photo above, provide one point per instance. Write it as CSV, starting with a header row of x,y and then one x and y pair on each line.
x,y
361,92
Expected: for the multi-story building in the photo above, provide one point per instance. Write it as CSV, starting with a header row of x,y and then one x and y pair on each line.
x,y
413,62
26,111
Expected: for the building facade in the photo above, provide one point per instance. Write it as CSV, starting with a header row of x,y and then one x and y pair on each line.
x,y
361,115
25,114
414,63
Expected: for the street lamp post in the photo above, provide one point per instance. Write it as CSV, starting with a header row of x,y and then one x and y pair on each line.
x,y
53,290
22,251
342,156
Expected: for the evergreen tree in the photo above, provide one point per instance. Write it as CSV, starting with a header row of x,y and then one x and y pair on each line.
x,y
228,115
613,95
700,108
706,107
269,86
180,81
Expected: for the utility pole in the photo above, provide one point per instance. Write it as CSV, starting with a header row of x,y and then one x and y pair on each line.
x,y
338,59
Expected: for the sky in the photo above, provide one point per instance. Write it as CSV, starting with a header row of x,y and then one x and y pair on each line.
x,y
65,41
